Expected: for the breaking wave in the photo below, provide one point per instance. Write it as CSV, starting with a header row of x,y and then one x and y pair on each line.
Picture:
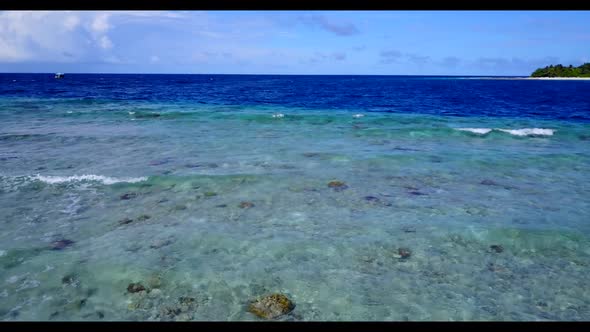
x,y
515,132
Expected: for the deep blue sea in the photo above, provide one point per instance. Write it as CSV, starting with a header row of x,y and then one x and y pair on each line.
x,y
360,198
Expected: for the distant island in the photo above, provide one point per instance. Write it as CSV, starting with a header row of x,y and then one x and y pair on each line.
x,y
561,71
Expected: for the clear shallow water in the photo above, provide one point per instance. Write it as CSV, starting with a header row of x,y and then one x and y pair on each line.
x,y
187,150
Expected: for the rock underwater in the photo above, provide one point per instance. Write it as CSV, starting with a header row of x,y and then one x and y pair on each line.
x,y
271,306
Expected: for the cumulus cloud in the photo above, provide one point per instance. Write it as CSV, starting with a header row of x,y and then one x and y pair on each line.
x,y
322,57
450,62
36,35
390,56
514,64
100,23
105,43
418,59
340,28
64,36
394,56
71,22
338,56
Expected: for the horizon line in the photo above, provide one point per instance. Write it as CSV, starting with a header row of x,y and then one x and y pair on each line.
x,y
107,73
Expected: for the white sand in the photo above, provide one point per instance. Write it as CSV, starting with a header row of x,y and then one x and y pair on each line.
x,y
558,78
531,78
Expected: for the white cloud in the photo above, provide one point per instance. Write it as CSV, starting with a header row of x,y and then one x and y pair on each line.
x,y
66,36
105,42
151,14
36,35
113,60
71,22
100,24
9,53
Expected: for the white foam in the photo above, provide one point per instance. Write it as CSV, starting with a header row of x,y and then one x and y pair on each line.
x,y
131,113
516,132
529,131
481,131
278,115
88,177
358,115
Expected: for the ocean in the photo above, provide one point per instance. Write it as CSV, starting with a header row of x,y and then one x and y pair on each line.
x,y
360,198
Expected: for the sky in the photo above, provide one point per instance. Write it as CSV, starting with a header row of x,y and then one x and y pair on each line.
x,y
293,42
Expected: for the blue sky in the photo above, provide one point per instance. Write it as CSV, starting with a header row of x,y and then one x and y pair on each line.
x,y
293,42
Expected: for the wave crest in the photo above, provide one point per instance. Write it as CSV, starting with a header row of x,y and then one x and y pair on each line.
x,y
515,132
87,177
481,131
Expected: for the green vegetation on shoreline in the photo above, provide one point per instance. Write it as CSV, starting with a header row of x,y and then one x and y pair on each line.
x,y
561,71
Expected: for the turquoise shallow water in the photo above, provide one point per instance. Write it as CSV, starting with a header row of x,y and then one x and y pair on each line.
x,y
151,193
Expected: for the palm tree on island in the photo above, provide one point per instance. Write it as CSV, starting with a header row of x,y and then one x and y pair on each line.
x,y
561,71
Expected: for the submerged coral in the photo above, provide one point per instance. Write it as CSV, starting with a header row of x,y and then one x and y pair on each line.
x,y
337,185
246,205
61,244
135,287
271,306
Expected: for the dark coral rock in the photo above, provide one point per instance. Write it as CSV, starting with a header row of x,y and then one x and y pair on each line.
x,y
135,287
221,205
160,161
401,148
69,279
143,217
184,300
371,199
210,194
409,230
199,165
496,248
411,188
246,205
487,182
271,306
417,193
148,115
311,154
404,253
337,185
170,312
125,221
128,196
61,244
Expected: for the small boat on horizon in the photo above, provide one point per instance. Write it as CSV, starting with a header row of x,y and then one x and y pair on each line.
x,y
59,75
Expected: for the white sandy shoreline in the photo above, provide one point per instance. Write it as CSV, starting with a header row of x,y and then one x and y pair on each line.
x,y
558,78
533,78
